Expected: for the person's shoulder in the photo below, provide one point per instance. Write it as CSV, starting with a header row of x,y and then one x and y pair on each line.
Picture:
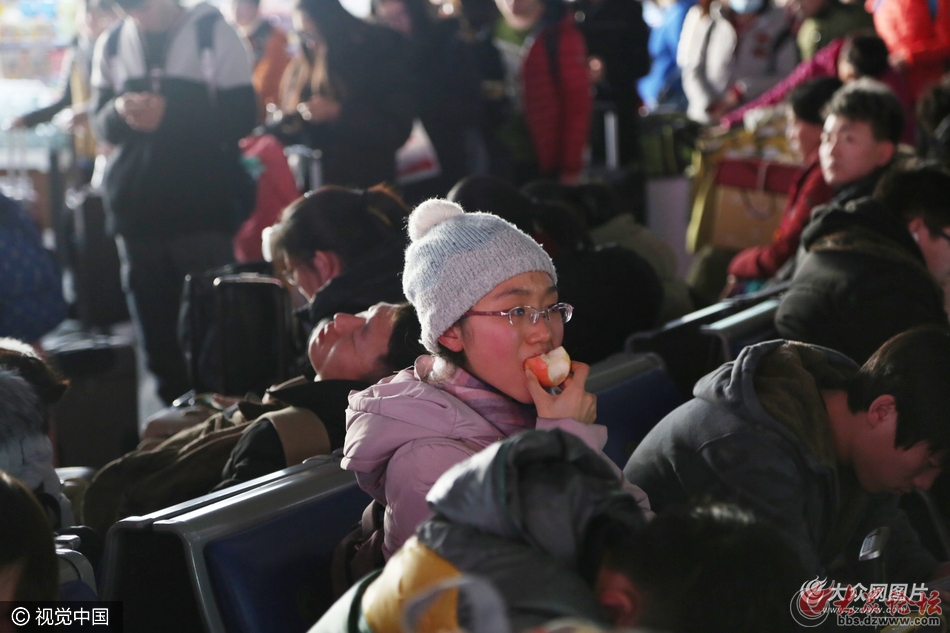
x,y
402,396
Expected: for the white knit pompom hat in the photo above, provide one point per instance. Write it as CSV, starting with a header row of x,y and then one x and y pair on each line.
x,y
456,258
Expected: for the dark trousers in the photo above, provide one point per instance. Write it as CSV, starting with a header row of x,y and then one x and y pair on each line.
x,y
153,272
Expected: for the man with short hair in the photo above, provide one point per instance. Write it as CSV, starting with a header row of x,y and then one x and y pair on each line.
x,y
863,125
815,445
172,93
874,267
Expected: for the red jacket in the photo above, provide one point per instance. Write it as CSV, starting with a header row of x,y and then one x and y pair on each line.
x,y
809,191
908,30
557,111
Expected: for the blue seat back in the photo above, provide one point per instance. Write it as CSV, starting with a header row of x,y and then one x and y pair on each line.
x,y
275,576
240,555
631,408
737,331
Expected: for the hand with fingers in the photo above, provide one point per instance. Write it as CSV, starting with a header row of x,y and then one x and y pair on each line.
x,y
573,401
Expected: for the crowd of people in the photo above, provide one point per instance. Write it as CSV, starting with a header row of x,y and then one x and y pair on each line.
x,y
422,295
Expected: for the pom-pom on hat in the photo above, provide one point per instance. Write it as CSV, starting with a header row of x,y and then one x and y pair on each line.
x,y
456,258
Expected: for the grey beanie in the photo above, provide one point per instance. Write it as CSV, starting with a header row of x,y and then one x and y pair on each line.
x,y
456,258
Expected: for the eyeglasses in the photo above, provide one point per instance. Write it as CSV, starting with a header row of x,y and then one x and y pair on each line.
x,y
523,315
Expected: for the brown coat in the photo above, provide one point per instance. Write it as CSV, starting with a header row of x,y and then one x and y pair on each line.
x,y
189,464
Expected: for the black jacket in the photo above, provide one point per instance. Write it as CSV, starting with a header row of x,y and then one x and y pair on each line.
x,y
863,281
180,178
731,443
448,96
376,277
861,188
369,74
259,451
615,293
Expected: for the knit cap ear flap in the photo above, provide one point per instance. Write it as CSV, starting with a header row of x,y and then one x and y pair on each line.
x,y
430,213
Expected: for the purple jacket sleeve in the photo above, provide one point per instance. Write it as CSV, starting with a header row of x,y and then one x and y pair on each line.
x,y
823,64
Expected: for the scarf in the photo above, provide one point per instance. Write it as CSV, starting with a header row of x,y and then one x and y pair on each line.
x,y
509,416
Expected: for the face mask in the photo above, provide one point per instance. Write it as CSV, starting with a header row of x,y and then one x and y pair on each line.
x,y
744,7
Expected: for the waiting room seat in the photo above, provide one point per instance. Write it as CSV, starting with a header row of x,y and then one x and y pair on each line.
x,y
687,352
254,557
634,392
752,325
73,567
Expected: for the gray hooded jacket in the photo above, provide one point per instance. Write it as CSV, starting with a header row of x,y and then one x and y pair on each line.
x,y
522,513
726,444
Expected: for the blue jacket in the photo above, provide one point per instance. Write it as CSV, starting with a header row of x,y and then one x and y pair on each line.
x,y
664,75
31,290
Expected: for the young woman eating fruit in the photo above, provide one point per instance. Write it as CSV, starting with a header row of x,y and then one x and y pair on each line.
x,y
487,300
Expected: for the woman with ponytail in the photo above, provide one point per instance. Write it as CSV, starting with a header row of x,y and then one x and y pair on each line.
x,y
342,248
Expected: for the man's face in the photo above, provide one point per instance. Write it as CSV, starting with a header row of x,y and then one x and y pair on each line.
x,y
849,151
882,467
352,346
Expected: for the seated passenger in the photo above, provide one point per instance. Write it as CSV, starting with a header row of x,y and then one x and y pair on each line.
x,y
863,124
342,248
803,131
874,267
814,445
487,301
27,388
28,567
348,353
541,518
249,439
609,223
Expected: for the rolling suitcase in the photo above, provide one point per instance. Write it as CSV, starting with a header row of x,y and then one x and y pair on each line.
x,y
234,330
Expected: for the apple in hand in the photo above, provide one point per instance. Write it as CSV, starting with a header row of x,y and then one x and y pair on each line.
x,y
552,368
